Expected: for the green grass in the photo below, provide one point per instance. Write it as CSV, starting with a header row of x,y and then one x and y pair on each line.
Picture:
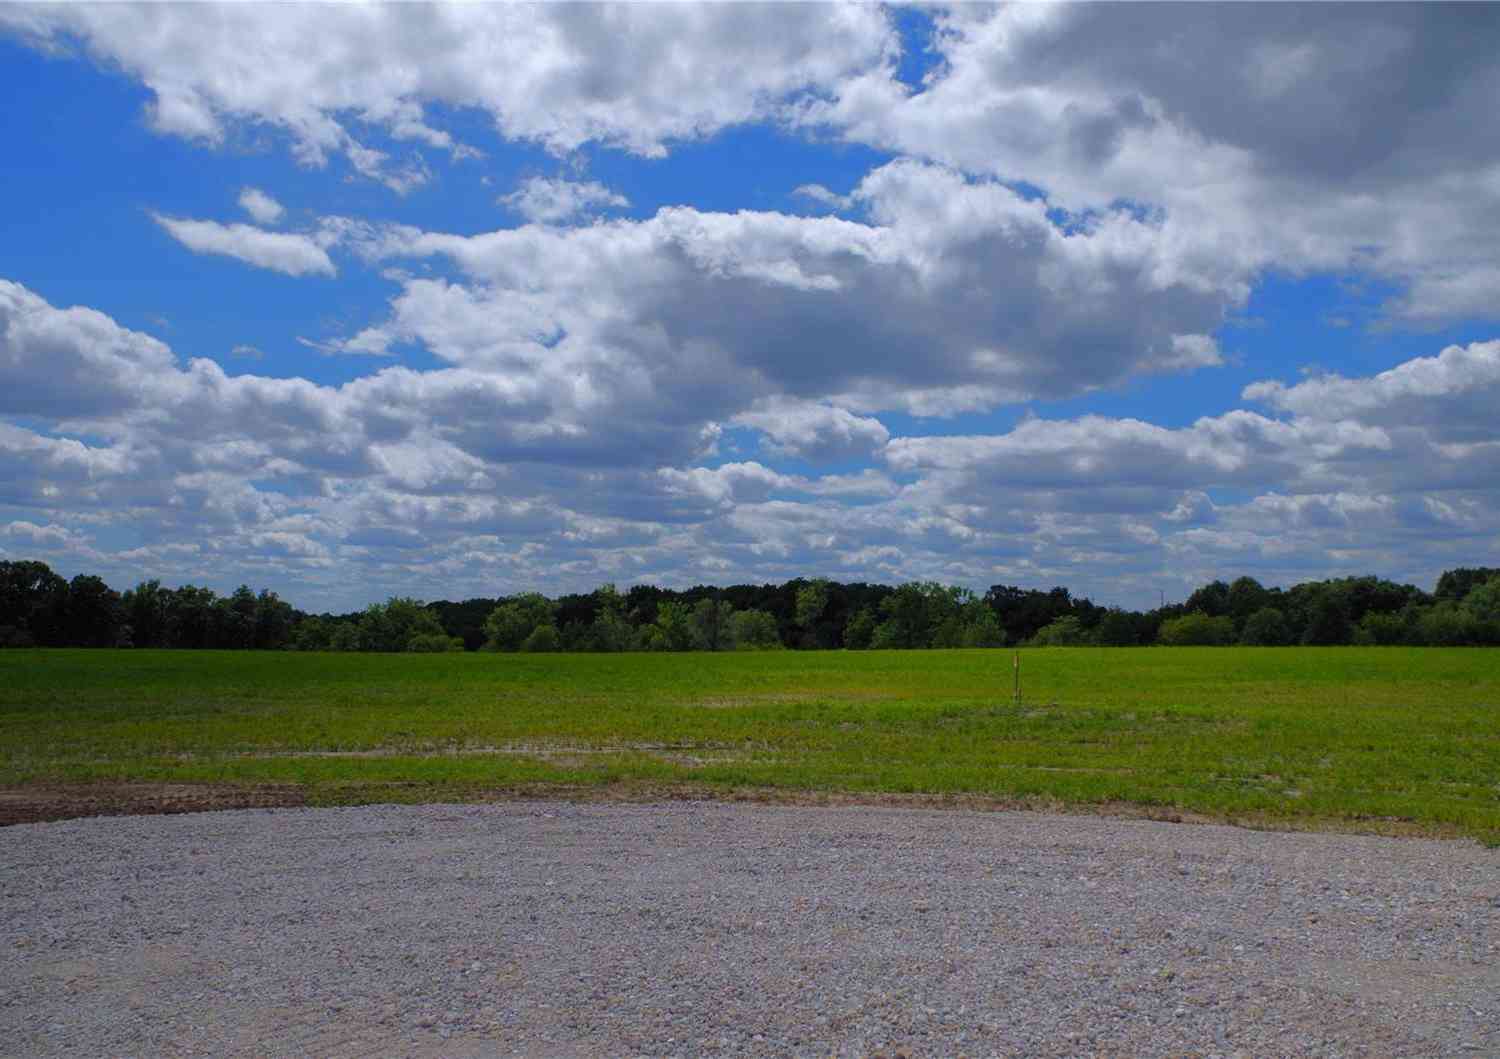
x,y
1342,737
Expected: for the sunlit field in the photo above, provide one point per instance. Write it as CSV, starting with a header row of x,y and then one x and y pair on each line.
x,y
1364,739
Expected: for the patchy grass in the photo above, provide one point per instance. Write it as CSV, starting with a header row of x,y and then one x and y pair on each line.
x,y
1380,738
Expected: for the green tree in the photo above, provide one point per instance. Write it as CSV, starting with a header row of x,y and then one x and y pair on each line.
x,y
1483,602
433,642
1066,631
1327,620
1246,596
949,633
146,609
1212,599
673,629
711,623
312,634
418,624
909,615
982,628
1377,629
611,630
1196,630
273,621
1447,624
1116,629
93,615
860,631
543,639
1455,585
393,625
376,630
1266,628
236,616
812,600
190,617
510,623
754,630
33,602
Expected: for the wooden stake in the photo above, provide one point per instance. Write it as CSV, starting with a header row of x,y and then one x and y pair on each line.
x,y
1018,678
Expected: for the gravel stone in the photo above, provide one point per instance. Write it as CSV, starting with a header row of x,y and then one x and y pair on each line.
x,y
687,929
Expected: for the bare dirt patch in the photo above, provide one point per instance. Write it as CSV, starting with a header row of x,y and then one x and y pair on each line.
x,y
29,805
37,804
42,803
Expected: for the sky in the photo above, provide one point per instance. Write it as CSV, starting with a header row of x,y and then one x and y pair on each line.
x,y
355,301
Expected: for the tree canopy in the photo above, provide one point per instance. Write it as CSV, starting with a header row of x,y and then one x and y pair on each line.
x,y
40,608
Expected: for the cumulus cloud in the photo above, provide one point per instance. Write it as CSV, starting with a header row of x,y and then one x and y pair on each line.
x,y
50,538
1454,395
37,471
1338,137
630,76
512,479
262,208
956,294
69,363
544,200
1238,448
815,431
287,252
1365,475
1334,137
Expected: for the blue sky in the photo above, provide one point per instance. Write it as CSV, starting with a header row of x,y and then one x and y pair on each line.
x,y
493,298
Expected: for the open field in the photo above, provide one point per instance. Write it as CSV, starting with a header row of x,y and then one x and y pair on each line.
x,y
1381,739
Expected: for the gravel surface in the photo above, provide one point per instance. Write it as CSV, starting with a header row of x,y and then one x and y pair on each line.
x,y
709,929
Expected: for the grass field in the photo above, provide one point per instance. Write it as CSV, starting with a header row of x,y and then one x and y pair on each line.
x,y
1378,739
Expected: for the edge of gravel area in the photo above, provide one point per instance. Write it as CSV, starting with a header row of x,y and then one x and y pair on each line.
x,y
42,803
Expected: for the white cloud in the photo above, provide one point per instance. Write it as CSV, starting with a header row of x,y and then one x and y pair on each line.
x,y
823,197
544,200
631,76
46,538
288,252
262,208
1189,352
729,483
1332,137
69,363
1338,137
814,431
1097,454
957,294
1454,394
370,343
49,472
522,479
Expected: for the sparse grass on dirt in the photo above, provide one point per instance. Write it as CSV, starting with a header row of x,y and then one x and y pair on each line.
x,y
1378,739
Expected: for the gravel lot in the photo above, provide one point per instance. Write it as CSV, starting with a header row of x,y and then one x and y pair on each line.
x,y
710,929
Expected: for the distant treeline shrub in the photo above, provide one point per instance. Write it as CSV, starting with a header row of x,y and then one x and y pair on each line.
x,y
40,608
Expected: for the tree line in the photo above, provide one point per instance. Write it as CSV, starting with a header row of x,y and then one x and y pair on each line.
x,y
40,608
